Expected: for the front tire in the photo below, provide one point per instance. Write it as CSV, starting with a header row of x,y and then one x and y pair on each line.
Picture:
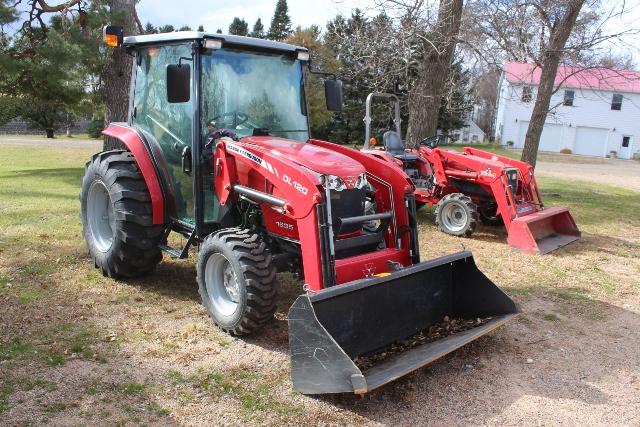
x,y
489,215
116,216
457,215
237,280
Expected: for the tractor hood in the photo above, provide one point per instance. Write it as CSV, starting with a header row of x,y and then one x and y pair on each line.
x,y
317,159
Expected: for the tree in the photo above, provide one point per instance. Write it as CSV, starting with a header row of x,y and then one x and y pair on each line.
x,y
184,28
280,23
258,30
117,73
239,27
200,28
559,32
456,102
166,29
322,58
437,48
150,29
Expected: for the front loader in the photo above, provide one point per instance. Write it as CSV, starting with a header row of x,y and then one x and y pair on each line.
x,y
474,185
217,149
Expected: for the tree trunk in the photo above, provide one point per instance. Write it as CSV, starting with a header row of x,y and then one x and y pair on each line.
x,y
426,95
117,75
49,132
550,60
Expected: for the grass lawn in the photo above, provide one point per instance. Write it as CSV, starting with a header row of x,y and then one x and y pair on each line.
x,y
43,136
78,348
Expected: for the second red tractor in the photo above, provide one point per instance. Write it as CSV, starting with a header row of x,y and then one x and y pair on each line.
x,y
475,185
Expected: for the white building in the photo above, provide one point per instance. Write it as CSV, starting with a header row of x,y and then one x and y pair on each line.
x,y
470,134
595,112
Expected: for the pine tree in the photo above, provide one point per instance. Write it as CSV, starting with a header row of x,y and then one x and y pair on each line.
x,y
219,31
201,28
185,28
280,27
258,30
150,29
239,27
166,29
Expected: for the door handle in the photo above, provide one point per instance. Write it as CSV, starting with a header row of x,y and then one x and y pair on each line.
x,y
186,160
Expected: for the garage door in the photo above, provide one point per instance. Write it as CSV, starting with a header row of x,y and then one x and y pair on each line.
x,y
590,141
551,139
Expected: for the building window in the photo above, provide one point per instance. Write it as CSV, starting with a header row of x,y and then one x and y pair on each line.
x,y
526,93
568,97
625,141
616,102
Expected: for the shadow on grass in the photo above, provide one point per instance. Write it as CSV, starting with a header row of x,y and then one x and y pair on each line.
x,y
69,176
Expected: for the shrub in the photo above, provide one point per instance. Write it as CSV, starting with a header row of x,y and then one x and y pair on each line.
x,y
95,128
566,151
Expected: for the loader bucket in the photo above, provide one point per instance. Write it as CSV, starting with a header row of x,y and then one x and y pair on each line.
x,y
332,330
543,231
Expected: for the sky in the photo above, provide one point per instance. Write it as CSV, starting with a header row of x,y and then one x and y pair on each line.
x,y
214,14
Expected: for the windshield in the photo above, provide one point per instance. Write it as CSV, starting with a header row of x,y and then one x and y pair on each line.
x,y
245,91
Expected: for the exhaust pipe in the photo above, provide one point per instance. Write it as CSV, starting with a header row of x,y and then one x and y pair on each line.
x,y
330,329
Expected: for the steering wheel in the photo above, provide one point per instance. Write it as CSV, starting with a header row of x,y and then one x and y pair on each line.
x,y
432,141
238,119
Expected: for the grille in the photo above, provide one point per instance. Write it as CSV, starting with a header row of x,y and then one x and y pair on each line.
x,y
346,204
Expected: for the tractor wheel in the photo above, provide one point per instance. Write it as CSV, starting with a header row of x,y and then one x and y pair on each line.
x,y
237,280
489,216
457,215
116,216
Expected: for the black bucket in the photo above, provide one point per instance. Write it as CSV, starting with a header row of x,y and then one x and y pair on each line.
x,y
328,330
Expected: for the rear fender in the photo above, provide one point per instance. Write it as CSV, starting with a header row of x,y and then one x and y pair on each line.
x,y
132,140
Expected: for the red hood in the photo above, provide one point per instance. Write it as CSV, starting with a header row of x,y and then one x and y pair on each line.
x,y
318,159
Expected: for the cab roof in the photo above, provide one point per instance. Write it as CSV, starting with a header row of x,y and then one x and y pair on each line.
x,y
227,40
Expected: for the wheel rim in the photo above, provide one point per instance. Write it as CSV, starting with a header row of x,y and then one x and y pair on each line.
x,y
222,284
454,217
100,217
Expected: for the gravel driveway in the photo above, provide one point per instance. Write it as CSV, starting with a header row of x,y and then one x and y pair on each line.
x,y
623,173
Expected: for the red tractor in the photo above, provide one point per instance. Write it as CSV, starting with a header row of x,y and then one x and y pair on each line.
x,y
218,150
475,185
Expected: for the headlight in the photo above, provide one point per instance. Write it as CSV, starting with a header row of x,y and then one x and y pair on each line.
x,y
335,183
362,181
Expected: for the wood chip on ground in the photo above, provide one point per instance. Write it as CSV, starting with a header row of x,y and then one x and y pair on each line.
x,y
435,332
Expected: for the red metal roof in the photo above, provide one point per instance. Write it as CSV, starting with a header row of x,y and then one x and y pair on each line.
x,y
579,78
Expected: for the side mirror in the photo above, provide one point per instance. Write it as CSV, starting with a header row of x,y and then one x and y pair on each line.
x,y
178,83
333,94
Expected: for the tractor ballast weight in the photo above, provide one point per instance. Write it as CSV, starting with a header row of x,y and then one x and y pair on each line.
x,y
260,202
472,184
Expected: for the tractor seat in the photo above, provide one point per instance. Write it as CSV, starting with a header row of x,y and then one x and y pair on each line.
x,y
393,144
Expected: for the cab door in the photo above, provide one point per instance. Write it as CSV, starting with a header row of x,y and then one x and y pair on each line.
x,y
166,126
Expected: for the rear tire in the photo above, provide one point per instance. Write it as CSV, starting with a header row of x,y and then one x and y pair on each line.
x,y
237,280
457,215
116,216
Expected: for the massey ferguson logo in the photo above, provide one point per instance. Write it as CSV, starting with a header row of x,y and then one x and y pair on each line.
x,y
369,269
350,181
488,172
